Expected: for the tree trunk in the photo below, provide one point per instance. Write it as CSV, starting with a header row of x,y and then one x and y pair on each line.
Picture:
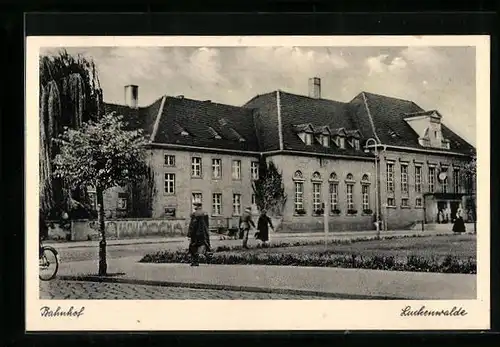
x,y
103,266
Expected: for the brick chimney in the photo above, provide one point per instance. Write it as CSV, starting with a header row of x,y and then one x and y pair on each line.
x,y
315,87
132,96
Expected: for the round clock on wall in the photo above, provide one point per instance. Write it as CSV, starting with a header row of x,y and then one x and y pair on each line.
x,y
442,176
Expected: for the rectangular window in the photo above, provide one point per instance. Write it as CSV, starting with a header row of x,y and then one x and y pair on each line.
x,y
170,183
456,180
341,142
122,201
299,196
236,204
196,167
390,177
217,204
196,197
254,168
316,196
404,202
308,139
444,184
390,202
404,179
432,179
366,196
254,200
325,140
169,160
216,168
236,169
350,201
334,192
418,179
418,202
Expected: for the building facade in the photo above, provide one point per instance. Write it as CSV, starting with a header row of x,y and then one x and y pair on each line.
x,y
350,160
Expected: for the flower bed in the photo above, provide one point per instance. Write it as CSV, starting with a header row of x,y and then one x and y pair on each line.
x,y
232,255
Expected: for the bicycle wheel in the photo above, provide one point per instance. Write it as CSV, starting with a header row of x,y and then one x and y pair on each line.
x,y
48,264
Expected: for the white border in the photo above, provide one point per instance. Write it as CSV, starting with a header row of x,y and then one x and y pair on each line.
x,y
258,315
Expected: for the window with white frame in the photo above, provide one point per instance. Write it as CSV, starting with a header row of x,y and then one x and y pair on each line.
x,y
308,138
341,142
254,170
236,169
170,183
196,167
325,140
216,168
390,177
418,179
418,202
365,193
390,202
350,200
196,197
404,179
217,204
299,196
169,160
456,180
334,193
432,179
444,185
316,196
355,143
236,204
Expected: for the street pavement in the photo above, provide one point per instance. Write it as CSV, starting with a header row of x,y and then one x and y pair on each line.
x,y
73,290
133,280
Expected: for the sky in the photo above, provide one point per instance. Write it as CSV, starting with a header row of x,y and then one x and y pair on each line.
x,y
441,78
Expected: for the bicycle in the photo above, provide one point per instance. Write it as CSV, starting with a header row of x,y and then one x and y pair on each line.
x,y
48,262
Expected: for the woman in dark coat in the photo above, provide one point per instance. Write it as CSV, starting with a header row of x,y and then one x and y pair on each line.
x,y
459,225
263,227
199,235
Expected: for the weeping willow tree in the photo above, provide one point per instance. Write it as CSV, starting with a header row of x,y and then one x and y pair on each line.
x,y
70,94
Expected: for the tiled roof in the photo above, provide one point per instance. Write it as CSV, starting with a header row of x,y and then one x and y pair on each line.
x,y
388,116
255,125
202,120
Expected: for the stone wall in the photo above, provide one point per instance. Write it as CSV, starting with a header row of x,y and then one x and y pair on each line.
x,y
83,230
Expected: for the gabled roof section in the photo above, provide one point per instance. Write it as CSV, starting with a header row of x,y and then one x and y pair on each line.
x,y
388,115
304,128
322,130
353,133
339,132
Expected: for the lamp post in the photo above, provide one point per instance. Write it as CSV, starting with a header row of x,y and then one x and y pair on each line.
x,y
371,139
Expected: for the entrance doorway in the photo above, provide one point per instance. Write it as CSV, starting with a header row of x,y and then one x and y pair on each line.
x,y
442,206
454,208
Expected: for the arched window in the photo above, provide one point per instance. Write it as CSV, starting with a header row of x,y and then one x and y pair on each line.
x,y
349,177
365,193
365,178
350,194
316,176
333,176
298,175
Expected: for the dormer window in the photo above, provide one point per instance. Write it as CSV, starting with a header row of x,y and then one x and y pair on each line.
x,y
355,143
341,142
308,139
325,140
214,133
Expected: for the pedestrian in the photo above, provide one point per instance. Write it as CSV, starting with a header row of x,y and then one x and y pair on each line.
x,y
198,234
245,225
459,225
263,225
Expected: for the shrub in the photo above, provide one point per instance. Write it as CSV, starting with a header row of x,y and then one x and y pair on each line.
x,y
352,211
368,211
300,212
336,211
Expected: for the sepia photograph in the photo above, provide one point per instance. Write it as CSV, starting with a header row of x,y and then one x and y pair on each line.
x,y
317,173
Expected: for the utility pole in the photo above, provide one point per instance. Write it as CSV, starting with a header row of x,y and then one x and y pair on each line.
x,y
326,213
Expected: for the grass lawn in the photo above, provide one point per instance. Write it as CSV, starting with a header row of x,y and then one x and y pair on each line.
x,y
461,246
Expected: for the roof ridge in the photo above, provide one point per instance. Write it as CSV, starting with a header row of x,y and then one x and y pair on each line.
x,y
370,118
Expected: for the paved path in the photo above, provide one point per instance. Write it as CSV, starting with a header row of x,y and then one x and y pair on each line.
x,y
333,282
73,290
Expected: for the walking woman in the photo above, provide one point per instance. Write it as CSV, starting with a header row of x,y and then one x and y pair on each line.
x,y
245,225
198,235
459,225
263,225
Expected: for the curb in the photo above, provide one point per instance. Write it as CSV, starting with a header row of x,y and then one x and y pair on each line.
x,y
111,279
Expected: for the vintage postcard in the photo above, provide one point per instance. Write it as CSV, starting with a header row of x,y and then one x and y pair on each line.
x,y
257,183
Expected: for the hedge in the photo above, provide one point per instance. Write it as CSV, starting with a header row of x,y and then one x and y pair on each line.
x,y
222,255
